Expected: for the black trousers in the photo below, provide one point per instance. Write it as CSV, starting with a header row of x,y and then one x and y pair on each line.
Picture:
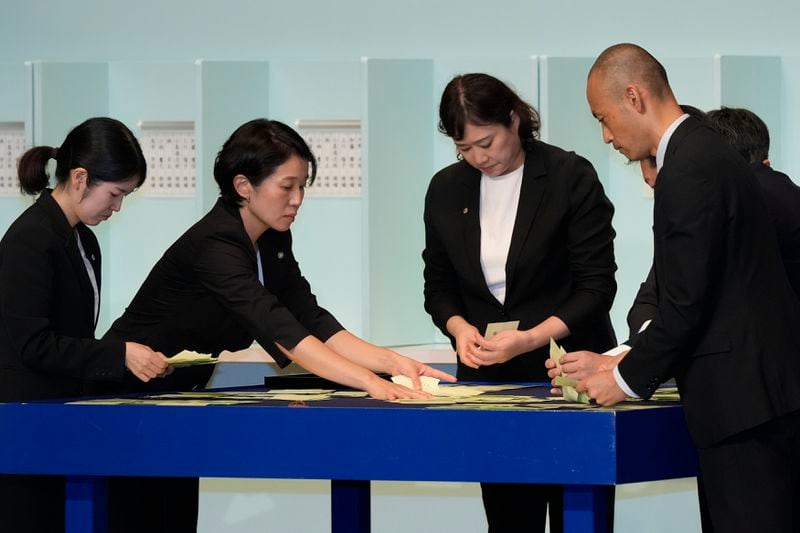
x,y
523,508
152,505
31,504
155,504
751,481
514,507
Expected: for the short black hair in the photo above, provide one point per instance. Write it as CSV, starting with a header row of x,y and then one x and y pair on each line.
x,y
255,150
482,99
742,129
103,146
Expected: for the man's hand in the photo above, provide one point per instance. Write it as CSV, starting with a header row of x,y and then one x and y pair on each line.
x,y
602,388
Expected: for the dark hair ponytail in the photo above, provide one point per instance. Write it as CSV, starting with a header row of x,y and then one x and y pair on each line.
x,y
482,99
32,169
104,147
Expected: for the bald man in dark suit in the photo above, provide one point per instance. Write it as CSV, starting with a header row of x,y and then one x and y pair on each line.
x,y
725,322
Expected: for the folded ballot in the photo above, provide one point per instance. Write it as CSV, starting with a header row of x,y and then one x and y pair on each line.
x,y
566,383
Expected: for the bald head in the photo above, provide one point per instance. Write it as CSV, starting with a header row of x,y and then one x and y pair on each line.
x,y
629,95
630,64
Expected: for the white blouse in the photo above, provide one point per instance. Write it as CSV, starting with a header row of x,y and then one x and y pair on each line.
x,y
498,212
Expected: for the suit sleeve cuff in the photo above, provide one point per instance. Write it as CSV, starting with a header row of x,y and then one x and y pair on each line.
x,y
622,348
622,385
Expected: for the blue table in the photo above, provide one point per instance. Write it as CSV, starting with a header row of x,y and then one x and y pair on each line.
x,y
585,450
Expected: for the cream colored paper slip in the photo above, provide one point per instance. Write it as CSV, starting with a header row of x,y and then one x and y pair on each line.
x,y
567,384
493,328
189,358
432,387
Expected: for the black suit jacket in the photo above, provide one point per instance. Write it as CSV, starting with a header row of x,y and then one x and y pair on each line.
x,y
782,199
47,320
726,320
560,262
204,295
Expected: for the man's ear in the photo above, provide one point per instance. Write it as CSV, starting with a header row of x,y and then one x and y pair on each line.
x,y
633,96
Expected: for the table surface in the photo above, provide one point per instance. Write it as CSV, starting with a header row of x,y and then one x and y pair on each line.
x,y
350,438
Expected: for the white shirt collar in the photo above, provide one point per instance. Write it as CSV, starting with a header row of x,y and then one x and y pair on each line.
x,y
662,144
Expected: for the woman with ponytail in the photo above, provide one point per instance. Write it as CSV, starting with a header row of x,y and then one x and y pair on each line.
x,y
50,294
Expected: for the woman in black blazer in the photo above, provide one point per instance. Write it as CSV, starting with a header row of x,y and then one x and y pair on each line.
x,y
50,294
518,230
231,279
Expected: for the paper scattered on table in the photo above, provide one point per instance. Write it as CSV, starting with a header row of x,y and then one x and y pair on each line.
x,y
566,383
433,387
470,397
300,397
493,328
189,358
429,384
350,394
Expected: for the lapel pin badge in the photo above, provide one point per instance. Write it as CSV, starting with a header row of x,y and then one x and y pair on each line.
x,y
280,255
466,210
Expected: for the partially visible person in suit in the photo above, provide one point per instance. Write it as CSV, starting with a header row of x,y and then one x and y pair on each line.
x,y
230,279
747,133
516,230
749,136
725,324
50,294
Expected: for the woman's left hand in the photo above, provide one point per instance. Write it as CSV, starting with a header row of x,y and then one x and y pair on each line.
x,y
503,347
402,365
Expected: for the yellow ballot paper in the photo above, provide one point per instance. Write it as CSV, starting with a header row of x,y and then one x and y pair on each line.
x,y
187,358
429,384
493,328
448,392
567,384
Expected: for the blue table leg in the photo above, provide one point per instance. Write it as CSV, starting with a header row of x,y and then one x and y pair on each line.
x,y
86,505
586,507
350,511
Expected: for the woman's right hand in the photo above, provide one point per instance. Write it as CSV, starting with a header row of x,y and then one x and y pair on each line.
x,y
144,363
467,338
381,389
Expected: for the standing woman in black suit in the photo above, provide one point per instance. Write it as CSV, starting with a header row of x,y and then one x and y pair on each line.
x,y
516,230
230,279
50,294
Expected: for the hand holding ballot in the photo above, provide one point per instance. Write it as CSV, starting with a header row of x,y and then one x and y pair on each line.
x,y
566,382
502,342
582,374
579,365
602,387
415,371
